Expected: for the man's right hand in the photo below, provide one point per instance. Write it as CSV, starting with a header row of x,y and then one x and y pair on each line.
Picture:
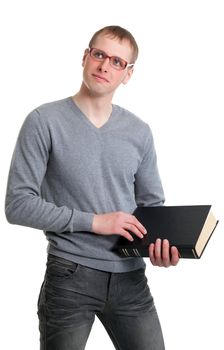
x,y
118,223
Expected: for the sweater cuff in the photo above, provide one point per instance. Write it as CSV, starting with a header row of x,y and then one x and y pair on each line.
x,y
82,221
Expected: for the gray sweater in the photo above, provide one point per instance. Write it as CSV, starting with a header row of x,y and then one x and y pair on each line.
x,y
64,170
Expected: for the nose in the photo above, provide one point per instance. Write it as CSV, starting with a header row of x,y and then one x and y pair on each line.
x,y
103,66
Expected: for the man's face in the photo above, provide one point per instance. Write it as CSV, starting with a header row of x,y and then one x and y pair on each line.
x,y
100,78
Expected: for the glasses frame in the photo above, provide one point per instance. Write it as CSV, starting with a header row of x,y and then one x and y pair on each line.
x,y
127,65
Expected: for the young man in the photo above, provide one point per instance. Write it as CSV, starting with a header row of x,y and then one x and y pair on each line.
x,y
80,167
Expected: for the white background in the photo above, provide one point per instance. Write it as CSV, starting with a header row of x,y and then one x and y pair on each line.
x,y
178,88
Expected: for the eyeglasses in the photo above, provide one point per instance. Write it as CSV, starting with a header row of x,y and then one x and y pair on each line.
x,y
116,62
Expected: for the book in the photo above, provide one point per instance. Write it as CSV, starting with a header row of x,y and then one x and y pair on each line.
x,y
188,228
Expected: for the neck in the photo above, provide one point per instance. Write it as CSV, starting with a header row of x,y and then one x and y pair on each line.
x,y
96,108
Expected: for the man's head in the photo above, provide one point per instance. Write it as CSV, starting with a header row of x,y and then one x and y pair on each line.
x,y
119,33
109,60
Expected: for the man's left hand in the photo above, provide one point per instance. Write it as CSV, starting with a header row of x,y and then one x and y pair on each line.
x,y
160,254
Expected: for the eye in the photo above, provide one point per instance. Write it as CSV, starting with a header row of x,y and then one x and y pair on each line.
x,y
98,54
118,62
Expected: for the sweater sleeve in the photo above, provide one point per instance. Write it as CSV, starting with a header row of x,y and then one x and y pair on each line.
x,y
148,186
24,204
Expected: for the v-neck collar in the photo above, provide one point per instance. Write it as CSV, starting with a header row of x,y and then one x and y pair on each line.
x,y
76,109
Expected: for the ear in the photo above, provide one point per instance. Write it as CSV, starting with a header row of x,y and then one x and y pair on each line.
x,y
84,56
128,75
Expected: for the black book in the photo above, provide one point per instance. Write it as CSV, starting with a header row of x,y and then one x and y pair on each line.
x,y
188,228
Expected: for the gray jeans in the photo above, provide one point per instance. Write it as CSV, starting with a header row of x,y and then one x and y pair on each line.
x,y
71,295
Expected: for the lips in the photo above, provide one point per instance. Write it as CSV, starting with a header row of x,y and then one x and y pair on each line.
x,y
100,78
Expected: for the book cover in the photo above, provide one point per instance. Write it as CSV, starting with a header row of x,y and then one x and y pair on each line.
x,y
189,228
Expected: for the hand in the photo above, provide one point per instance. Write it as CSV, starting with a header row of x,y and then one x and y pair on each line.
x,y
160,254
118,223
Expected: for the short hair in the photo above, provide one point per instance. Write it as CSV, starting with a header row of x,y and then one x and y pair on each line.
x,y
119,33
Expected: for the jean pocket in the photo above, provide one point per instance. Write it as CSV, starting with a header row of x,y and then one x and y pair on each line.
x,y
60,269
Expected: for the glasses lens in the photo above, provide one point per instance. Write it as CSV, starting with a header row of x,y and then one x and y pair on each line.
x,y
98,54
118,63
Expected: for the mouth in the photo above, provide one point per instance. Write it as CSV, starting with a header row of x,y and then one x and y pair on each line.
x,y
100,78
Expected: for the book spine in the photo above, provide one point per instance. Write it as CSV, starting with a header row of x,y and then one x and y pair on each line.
x,y
185,253
130,252
133,252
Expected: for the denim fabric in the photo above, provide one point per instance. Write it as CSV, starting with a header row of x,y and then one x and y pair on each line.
x,y
71,295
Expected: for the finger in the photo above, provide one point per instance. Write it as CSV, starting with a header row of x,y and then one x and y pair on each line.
x,y
134,221
158,253
166,253
174,256
126,235
133,229
151,254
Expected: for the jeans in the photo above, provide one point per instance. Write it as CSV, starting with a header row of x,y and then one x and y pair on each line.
x,y
71,295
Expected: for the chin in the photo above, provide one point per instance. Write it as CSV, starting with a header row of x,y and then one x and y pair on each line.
x,y
99,91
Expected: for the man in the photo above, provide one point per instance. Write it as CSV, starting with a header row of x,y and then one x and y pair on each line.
x,y
80,167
